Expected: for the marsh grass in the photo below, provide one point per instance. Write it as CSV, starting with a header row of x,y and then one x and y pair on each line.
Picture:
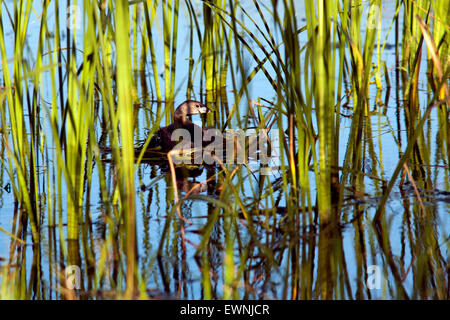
x,y
262,236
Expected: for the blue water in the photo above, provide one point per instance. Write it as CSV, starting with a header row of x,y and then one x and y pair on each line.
x,y
151,212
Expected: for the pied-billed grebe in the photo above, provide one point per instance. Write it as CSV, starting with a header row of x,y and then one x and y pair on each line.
x,y
163,137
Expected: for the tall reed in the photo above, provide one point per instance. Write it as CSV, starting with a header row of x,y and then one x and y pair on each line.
x,y
72,113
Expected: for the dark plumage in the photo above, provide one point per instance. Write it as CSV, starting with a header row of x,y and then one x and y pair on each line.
x,y
163,137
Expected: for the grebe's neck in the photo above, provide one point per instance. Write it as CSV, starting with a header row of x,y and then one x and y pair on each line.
x,y
181,119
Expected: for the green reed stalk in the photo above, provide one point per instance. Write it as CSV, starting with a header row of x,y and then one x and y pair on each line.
x,y
361,60
441,26
170,26
16,98
321,22
148,25
75,145
125,115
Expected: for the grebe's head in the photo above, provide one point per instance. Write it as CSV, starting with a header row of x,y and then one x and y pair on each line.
x,y
189,108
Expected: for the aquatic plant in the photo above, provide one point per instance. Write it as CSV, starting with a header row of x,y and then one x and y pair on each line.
x,y
84,83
